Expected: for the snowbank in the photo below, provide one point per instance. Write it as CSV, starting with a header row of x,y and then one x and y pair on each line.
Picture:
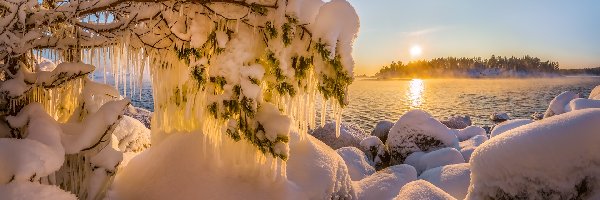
x,y
469,132
357,163
508,125
382,129
39,154
467,147
26,190
421,189
415,131
350,135
547,159
182,167
453,179
385,184
557,105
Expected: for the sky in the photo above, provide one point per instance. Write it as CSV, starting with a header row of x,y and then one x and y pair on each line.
x,y
564,31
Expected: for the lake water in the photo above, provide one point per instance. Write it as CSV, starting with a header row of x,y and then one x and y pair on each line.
x,y
374,100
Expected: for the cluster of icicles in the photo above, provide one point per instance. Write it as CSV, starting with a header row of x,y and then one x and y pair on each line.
x,y
171,79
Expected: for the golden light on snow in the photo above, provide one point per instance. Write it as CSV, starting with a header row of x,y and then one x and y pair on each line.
x,y
416,51
415,92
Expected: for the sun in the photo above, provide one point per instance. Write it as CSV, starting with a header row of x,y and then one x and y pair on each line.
x,y
415,51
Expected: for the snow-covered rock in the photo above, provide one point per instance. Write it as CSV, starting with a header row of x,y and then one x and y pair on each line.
x,y
415,131
25,190
376,152
549,159
453,179
350,135
357,163
580,103
44,64
595,94
140,114
440,157
457,122
420,189
498,117
508,125
414,159
385,184
469,132
467,147
537,116
132,135
557,105
382,129
318,170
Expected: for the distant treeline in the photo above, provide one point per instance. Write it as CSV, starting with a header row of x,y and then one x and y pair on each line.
x,y
470,67
586,71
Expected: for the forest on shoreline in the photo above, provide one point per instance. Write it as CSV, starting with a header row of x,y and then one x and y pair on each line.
x,y
495,66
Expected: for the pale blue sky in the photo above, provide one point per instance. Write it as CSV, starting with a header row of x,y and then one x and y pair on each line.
x,y
564,31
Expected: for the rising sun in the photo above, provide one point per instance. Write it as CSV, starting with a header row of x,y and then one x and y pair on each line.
x,y
416,51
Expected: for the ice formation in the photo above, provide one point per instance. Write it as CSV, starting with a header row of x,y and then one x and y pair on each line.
x,y
508,125
357,163
415,131
421,189
386,183
548,159
453,179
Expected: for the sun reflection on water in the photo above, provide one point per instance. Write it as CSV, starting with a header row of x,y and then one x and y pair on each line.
x,y
415,92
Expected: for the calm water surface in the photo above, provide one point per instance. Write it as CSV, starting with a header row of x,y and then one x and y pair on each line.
x,y
374,100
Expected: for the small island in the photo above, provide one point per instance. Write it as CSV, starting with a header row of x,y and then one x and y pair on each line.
x,y
493,67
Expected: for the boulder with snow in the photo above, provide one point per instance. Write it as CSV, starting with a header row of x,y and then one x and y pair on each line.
x,y
356,161
457,122
551,159
376,151
595,94
420,189
132,135
453,179
440,157
415,131
350,135
580,103
498,117
537,116
382,129
557,105
140,114
469,132
386,184
508,125
467,147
